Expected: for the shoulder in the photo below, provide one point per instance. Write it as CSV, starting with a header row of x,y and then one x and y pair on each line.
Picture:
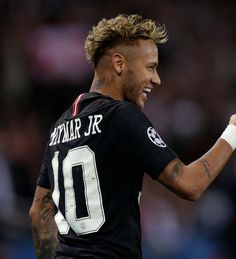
x,y
128,106
129,118
131,113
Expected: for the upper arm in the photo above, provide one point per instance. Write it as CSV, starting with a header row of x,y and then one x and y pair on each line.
x,y
174,178
187,182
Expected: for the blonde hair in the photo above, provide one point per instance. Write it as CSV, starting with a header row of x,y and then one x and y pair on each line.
x,y
123,29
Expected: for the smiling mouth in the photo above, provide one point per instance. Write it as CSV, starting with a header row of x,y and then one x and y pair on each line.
x,y
146,91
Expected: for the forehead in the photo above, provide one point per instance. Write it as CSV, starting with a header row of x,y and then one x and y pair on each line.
x,y
146,49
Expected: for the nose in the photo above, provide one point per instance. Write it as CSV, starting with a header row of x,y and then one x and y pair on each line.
x,y
156,79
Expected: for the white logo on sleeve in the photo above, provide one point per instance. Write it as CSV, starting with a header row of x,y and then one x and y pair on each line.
x,y
155,138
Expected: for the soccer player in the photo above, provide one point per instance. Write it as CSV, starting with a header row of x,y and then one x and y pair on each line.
x,y
86,203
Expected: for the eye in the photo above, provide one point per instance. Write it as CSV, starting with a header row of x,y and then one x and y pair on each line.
x,y
152,68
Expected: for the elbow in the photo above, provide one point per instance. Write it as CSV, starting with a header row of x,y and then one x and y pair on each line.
x,y
33,215
190,193
190,196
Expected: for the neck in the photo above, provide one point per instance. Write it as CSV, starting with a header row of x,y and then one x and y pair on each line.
x,y
107,85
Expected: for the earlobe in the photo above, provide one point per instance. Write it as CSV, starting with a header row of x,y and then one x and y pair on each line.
x,y
118,63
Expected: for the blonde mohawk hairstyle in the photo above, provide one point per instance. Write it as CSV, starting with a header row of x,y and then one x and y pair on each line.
x,y
121,29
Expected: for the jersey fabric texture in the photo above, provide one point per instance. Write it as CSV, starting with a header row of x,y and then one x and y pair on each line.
x,y
94,164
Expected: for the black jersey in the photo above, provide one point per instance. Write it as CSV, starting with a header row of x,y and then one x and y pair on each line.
x,y
94,163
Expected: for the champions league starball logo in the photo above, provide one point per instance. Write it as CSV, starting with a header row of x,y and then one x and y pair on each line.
x,y
155,138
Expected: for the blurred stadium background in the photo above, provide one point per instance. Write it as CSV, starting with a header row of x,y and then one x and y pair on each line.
x,y
43,69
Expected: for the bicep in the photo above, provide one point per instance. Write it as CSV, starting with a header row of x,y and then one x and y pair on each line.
x,y
171,175
176,177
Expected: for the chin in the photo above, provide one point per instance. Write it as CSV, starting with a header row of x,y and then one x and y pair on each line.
x,y
140,105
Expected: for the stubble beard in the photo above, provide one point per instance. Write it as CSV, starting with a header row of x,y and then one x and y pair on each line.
x,y
131,93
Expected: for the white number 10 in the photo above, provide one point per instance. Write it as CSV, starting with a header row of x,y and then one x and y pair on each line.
x,y
85,157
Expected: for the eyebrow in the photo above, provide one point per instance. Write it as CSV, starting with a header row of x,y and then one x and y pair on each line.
x,y
154,64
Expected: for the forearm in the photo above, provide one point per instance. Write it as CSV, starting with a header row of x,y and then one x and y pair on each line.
x,y
202,172
45,240
44,229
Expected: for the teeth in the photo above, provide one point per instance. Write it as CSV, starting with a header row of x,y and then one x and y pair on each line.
x,y
146,89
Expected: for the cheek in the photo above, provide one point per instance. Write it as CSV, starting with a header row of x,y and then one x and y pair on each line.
x,y
134,82
143,77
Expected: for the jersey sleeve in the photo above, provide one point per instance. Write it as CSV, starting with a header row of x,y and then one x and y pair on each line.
x,y
43,179
138,141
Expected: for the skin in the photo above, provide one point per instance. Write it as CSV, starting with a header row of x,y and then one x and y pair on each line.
x,y
124,73
43,225
141,73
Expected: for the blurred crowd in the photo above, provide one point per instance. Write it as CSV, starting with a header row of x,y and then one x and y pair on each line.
x,y
43,68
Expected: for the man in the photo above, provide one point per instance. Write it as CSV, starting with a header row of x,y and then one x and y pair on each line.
x,y
98,151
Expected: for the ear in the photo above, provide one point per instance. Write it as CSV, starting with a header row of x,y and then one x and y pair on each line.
x,y
118,62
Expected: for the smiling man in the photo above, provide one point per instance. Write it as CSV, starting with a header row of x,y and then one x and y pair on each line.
x,y
91,177
128,71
